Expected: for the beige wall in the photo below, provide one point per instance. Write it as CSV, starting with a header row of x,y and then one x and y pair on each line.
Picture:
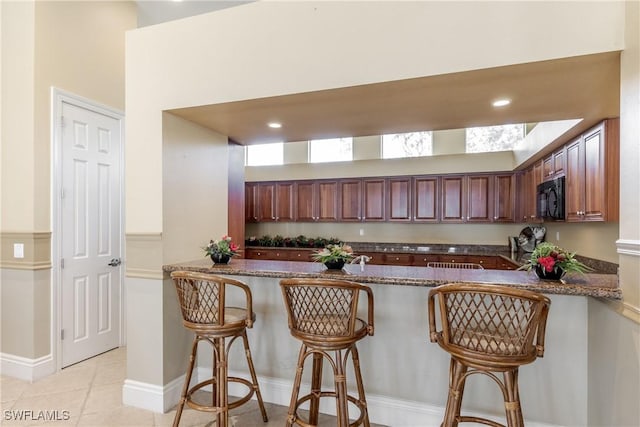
x,y
195,169
74,46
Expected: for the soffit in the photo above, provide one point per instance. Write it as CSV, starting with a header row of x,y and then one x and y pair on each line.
x,y
579,87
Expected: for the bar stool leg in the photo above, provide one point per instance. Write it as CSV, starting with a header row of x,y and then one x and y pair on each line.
x,y
361,397
291,415
254,378
456,389
340,379
316,386
222,417
512,399
187,380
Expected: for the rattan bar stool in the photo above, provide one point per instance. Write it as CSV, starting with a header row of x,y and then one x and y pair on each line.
x,y
461,265
202,302
487,329
323,315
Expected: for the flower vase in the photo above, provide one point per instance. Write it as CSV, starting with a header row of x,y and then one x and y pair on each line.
x,y
218,258
555,274
334,265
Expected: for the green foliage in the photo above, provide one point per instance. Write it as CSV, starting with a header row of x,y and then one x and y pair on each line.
x,y
551,257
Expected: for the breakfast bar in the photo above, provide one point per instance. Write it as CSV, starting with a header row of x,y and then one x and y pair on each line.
x,y
406,376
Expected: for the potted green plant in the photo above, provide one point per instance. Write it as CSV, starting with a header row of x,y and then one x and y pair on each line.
x,y
221,250
552,262
334,256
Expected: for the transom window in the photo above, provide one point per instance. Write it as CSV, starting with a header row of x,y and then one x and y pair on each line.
x,y
264,154
410,144
493,138
331,150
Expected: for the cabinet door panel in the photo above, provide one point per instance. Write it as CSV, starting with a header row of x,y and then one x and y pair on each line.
x,y
305,195
574,194
425,193
251,202
351,200
504,194
327,201
479,198
594,195
266,202
453,202
284,201
399,199
558,162
374,195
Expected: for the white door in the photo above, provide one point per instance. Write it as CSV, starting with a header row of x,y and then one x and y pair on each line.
x,y
90,232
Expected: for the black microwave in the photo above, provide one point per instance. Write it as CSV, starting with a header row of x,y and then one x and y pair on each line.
x,y
550,200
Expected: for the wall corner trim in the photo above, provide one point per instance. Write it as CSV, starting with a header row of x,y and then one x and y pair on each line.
x,y
628,247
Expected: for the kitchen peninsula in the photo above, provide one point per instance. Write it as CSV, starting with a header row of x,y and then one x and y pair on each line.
x,y
593,285
406,376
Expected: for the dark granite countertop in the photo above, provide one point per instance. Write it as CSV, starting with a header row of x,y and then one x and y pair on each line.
x,y
594,285
517,257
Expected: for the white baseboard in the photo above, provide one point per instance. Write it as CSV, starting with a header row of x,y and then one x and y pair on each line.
x,y
382,410
26,369
152,397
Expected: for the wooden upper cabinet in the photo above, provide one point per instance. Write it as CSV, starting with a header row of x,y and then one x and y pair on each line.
x,y
592,184
316,200
327,201
504,194
374,199
573,185
306,208
270,201
266,202
425,199
284,199
553,165
251,202
479,198
530,180
453,202
559,162
351,200
399,199
362,199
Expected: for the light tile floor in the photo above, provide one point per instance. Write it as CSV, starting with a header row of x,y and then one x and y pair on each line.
x,y
89,394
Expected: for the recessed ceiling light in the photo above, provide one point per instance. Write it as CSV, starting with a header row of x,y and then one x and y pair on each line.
x,y
275,125
501,102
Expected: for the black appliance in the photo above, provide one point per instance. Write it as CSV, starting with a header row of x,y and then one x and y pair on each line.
x,y
550,200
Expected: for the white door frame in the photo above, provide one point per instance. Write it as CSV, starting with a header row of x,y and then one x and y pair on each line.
x,y
58,97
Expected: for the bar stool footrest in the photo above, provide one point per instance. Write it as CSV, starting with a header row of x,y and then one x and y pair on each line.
x,y
215,409
359,404
485,421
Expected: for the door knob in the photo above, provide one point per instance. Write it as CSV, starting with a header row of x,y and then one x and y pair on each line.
x,y
115,262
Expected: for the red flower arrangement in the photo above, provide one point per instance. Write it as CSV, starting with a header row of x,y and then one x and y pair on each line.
x,y
224,246
553,259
